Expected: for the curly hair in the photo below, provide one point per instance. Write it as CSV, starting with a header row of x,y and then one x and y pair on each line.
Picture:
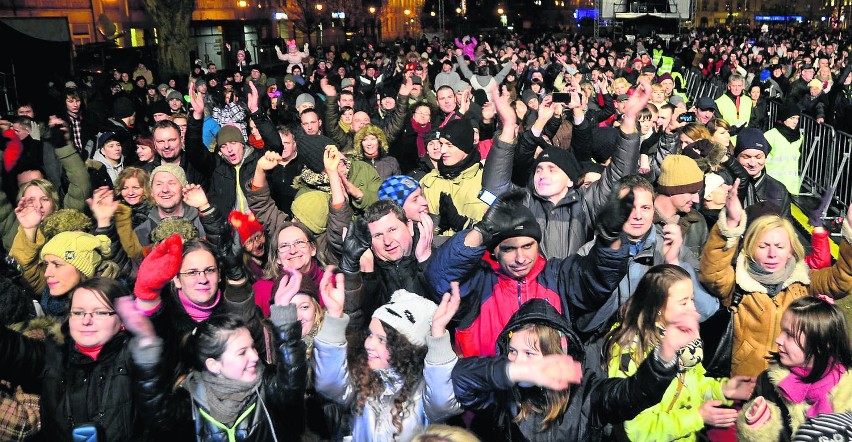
x,y
406,359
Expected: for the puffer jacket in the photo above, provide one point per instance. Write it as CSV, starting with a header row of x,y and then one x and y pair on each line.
x,y
432,401
483,382
576,286
276,414
786,416
568,224
227,180
757,319
75,388
676,416
384,164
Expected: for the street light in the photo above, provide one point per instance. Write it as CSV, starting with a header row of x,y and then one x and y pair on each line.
x,y
372,9
499,11
407,12
319,7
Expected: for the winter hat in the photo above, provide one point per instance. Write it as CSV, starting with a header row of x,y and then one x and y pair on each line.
x,y
104,137
765,74
416,80
711,183
461,86
751,138
288,77
65,220
528,95
511,210
229,133
122,108
622,97
163,87
676,100
706,103
679,174
174,95
200,81
177,171
82,250
397,188
664,77
788,110
305,99
311,149
160,107
459,132
171,226
815,84
245,225
409,314
347,82
563,159
648,69
311,209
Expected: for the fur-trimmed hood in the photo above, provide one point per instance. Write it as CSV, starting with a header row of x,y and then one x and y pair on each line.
x,y
370,130
41,328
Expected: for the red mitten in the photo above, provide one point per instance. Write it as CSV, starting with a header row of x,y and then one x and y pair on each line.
x,y
821,255
158,268
14,149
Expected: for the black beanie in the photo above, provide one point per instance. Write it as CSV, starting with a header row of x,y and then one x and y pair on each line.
x,y
160,107
459,132
122,108
563,159
510,206
311,149
788,110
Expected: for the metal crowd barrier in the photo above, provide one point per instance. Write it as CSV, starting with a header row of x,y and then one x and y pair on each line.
x,y
825,163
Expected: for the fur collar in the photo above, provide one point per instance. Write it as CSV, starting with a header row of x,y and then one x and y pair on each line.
x,y
801,274
840,395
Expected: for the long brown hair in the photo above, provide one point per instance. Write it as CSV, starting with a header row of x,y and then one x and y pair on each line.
x,y
639,314
548,341
406,359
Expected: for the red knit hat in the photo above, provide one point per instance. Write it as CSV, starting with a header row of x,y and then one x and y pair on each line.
x,y
246,225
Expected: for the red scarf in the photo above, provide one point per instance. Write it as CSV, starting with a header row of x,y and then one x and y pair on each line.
x,y
421,132
816,394
256,142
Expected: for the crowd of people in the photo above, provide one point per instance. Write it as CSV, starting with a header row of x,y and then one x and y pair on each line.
x,y
519,237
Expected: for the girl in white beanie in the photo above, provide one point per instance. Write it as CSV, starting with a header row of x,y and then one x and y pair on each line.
x,y
398,381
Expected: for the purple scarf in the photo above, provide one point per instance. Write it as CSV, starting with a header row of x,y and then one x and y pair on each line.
x,y
816,394
197,312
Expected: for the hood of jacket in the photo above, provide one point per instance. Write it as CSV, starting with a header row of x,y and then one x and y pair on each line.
x,y
41,328
371,130
540,312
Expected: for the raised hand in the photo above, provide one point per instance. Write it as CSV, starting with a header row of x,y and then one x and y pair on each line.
x,y
333,292
355,243
680,332
288,287
613,215
134,321
449,216
424,242
638,101
197,101
252,98
733,206
331,160
672,241
268,161
554,372
406,86
328,89
103,205
28,216
194,196
446,310
158,268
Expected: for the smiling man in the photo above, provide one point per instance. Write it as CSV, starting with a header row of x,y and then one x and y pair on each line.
x,y
677,201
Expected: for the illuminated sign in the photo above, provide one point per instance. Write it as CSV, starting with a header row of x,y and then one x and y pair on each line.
x,y
797,18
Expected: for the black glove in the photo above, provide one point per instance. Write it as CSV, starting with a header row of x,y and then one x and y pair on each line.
x,y
232,257
58,138
500,217
613,215
450,219
357,242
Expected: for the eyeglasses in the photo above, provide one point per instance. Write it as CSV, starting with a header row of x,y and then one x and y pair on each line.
x,y
196,273
298,244
255,239
99,314
423,114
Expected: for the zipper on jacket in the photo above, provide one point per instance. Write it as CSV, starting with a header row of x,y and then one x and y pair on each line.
x,y
520,301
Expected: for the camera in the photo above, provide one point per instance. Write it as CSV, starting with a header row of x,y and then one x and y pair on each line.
x,y
688,117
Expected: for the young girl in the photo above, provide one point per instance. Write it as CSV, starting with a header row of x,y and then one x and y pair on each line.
x,y
808,375
393,392
538,348
231,394
692,400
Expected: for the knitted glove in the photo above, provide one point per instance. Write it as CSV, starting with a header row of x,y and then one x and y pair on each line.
x,y
450,219
613,215
357,242
757,413
158,268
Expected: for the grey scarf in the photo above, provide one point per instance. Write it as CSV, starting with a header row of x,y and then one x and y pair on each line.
x,y
224,399
772,281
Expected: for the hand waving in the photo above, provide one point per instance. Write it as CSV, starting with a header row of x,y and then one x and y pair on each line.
x,y
446,310
333,292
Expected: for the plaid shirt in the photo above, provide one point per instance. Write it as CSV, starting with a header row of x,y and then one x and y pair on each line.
x,y
19,413
76,131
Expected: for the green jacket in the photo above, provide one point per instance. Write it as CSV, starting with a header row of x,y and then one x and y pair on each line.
x,y
782,163
463,189
676,417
